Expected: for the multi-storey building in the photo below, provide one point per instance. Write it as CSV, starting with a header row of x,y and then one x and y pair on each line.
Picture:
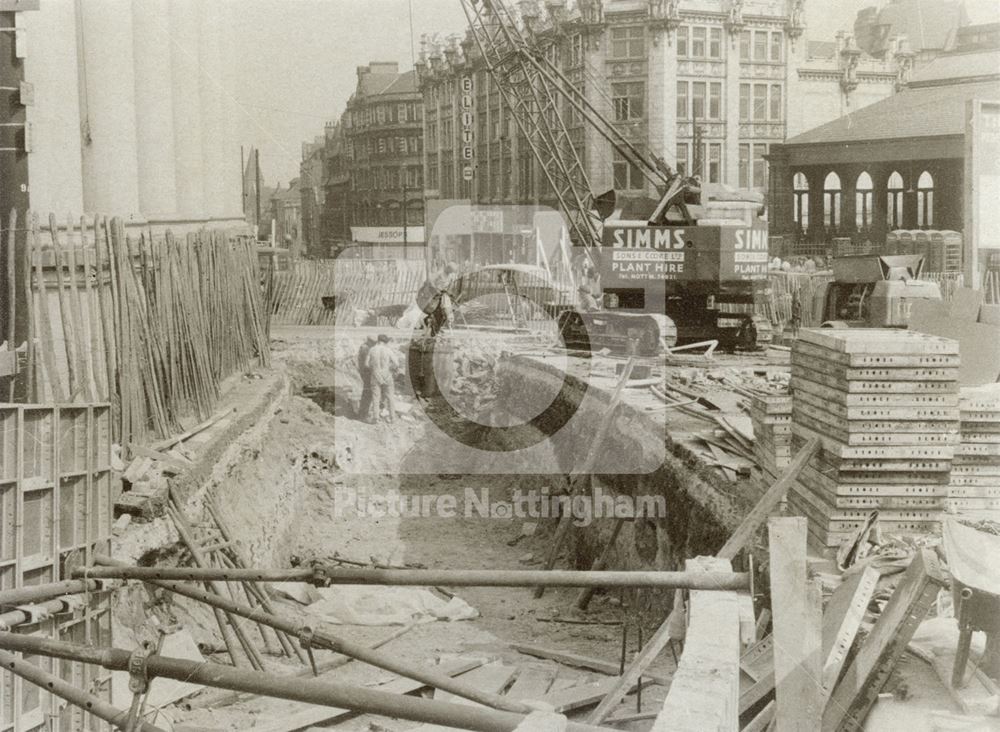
x,y
383,137
312,191
335,219
706,85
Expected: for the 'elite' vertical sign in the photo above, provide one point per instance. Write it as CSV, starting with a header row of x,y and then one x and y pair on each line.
x,y
468,127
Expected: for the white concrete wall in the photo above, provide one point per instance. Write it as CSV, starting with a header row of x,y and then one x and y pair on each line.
x,y
54,165
110,160
154,110
133,112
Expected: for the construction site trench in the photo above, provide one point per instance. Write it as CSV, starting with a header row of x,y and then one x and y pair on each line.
x,y
297,477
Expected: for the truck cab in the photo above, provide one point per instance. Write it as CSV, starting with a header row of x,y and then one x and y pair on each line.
x,y
872,291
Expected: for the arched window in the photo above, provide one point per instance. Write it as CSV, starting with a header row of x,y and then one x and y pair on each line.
x,y
863,200
831,200
894,204
925,200
800,198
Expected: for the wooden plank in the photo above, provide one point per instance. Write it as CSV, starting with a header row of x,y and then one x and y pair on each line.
x,y
877,360
633,673
762,720
583,695
879,341
532,682
577,661
768,502
491,678
842,618
704,694
312,715
871,667
797,607
175,464
758,659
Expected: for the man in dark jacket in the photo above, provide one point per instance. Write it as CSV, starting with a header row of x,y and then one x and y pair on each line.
x,y
365,405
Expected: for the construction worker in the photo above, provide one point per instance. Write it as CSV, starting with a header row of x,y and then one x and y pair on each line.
x,y
364,406
383,363
435,300
585,300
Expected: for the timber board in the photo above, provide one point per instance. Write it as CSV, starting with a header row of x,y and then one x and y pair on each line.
x,y
823,365
936,401
877,452
860,437
879,341
978,449
869,361
866,386
902,414
875,425
974,504
982,438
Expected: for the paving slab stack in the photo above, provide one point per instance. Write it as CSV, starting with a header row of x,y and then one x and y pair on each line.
x,y
771,417
975,471
884,404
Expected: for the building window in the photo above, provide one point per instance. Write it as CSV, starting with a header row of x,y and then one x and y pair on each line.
x,y
715,100
682,100
894,204
744,45
627,175
699,42
380,112
628,42
760,102
776,110
760,45
759,166
715,43
628,100
682,40
800,199
744,166
925,200
744,102
863,191
777,41
576,49
682,158
698,35
698,89
714,163
831,200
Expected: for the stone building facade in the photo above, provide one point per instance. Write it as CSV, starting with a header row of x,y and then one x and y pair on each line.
x,y
706,85
383,131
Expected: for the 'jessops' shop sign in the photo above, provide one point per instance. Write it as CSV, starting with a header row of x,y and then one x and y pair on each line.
x,y
650,253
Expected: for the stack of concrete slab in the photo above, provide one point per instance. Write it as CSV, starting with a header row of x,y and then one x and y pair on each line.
x,y
975,471
771,417
884,404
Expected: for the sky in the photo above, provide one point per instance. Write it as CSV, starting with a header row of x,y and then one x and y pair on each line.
x,y
297,59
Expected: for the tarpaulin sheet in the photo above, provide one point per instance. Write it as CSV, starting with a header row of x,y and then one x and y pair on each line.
x,y
973,556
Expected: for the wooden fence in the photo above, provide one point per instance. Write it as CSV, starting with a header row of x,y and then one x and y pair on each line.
x,y
310,292
151,325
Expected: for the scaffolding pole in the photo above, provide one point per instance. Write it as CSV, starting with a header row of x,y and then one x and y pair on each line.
x,y
309,691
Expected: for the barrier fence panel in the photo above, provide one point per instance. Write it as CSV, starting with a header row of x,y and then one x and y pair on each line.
x,y
151,325
55,514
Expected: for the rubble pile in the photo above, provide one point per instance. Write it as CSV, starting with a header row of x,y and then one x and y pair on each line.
x,y
771,416
474,384
885,406
975,472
